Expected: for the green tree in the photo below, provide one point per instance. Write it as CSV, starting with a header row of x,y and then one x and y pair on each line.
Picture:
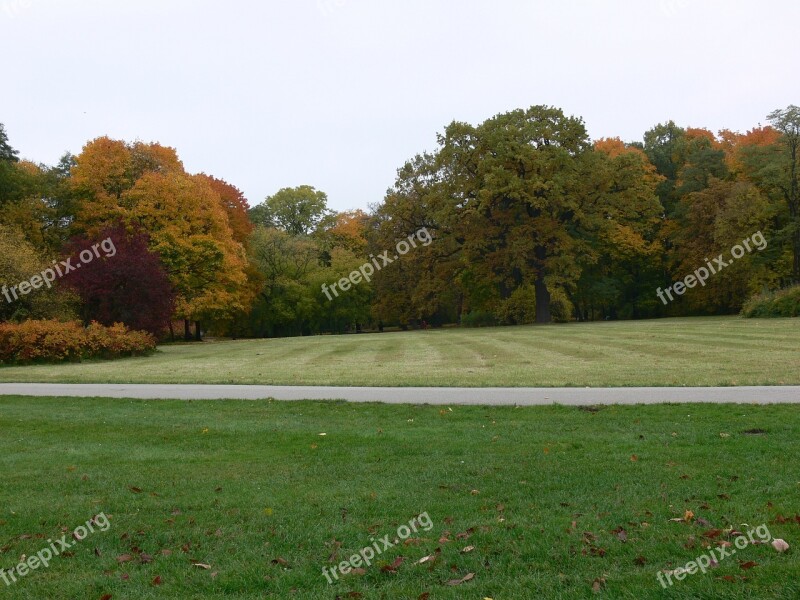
x,y
787,122
514,178
298,211
285,302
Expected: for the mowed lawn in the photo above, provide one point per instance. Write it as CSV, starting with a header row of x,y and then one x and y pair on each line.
x,y
250,500
670,352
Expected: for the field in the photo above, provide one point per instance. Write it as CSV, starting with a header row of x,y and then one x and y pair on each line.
x,y
670,352
249,500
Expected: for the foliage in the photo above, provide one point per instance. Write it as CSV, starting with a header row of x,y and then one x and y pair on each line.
x,y
144,186
19,261
530,220
130,287
57,341
298,211
782,303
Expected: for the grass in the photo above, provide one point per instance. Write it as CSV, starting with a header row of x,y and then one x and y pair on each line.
x,y
253,491
670,352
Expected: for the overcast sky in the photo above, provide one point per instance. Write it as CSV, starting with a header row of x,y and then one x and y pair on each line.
x,y
339,93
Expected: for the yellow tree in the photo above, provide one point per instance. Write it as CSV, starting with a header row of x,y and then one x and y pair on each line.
x,y
145,187
189,229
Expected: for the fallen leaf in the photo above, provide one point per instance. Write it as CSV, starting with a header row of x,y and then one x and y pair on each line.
x,y
156,580
712,533
621,534
748,565
280,561
464,579
123,558
466,549
598,584
392,568
135,490
780,545
203,565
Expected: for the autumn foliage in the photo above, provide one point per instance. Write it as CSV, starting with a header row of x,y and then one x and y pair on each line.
x,y
55,341
130,287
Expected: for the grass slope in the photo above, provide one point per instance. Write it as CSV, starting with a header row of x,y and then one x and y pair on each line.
x,y
671,352
253,490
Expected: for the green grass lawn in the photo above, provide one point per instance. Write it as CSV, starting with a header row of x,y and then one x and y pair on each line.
x,y
252,491
670,352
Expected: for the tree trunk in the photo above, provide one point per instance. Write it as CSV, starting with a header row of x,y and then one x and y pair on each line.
x,y
187,333
542,300
540,287
197,336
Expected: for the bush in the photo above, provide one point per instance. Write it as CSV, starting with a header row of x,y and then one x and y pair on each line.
x,y
54,341
783,303
478,318
561,309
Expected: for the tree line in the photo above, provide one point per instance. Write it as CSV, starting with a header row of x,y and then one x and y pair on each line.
x,y
530,221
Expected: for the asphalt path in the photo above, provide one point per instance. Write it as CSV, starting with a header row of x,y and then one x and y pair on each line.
x,y
419,395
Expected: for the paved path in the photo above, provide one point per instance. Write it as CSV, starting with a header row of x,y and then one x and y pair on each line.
x,y
409,395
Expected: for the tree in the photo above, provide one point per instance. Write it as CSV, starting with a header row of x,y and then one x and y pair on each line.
x,y
787,122
235,205
514,176
8,157
20,261
286,301
129,286
189,230
7,153
298,211
144,186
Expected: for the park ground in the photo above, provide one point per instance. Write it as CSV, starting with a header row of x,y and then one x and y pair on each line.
x,y
252,499
714,351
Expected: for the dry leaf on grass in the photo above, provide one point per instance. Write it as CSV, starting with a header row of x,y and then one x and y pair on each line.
x,y
464,579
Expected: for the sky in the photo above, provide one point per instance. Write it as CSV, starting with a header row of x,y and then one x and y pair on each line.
x,y
338,94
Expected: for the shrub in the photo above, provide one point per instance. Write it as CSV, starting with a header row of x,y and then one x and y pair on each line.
x,y
54,341
783,303
478,318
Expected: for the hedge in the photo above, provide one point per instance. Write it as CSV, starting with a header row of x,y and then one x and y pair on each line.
x,y
56,341
783,303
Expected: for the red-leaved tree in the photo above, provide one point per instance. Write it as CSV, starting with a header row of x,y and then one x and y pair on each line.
x,y
122,282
